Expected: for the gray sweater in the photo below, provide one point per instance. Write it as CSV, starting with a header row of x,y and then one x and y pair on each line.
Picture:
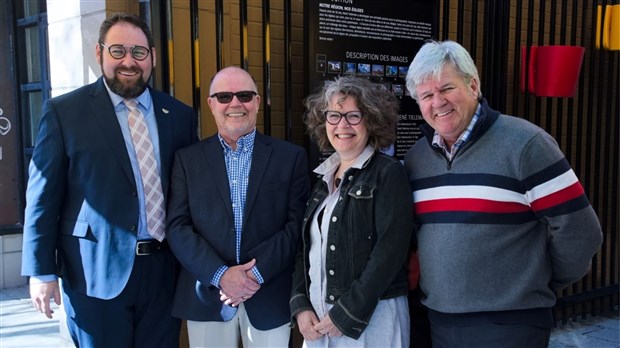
x,y
504,224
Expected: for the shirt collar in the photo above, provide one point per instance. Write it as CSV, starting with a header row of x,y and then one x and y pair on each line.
x,y
245,143
439,142
144,99
331,164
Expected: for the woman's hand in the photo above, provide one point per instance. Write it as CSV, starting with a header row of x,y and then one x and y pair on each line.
x,y
307,321
327,327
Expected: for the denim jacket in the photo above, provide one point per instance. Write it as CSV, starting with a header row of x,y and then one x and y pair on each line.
x,y
368,243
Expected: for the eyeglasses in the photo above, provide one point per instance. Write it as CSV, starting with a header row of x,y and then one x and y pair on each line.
x,y
119,51
227,97
352,117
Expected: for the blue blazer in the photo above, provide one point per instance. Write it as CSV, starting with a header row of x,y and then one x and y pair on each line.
x,y
201,227
81,203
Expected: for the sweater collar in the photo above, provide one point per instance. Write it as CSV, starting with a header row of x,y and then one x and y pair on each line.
x,y
486,118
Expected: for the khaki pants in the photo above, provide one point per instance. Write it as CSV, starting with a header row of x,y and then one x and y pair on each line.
x,y
226,334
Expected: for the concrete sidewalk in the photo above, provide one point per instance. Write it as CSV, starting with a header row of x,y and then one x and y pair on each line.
x,y
22,326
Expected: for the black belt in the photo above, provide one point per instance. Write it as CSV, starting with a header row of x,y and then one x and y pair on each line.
x,y
149,247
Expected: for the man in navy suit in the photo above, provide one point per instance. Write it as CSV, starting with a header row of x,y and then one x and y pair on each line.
x,y
236,204
85,217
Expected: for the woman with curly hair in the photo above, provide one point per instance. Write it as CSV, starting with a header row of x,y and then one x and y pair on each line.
x,y
350,281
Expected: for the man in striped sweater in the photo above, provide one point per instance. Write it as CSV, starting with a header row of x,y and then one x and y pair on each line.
x,y
503,220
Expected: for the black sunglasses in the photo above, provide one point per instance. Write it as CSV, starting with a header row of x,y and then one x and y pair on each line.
x,y
334,117
227,97
119,51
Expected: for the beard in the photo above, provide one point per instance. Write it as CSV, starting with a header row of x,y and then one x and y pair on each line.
x,y
127,90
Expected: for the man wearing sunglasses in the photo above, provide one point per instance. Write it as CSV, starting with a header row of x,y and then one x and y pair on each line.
x,y
236,204
95,213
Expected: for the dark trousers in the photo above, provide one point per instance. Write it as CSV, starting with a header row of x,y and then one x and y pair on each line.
x,y
140,316
490,335
420,330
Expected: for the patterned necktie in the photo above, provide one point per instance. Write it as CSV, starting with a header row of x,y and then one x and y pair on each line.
x,y
153,194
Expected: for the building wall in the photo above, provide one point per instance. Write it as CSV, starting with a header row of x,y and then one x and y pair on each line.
x,y
11,257
231,55
72,35
10,244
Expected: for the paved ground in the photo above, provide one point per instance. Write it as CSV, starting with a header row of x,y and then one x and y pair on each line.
x,y
594,332
21,326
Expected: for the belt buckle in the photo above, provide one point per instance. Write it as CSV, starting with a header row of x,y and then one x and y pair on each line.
x,y
138,252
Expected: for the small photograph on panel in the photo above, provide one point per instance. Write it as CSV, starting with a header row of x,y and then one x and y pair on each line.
x,y
363,69
402,71
398,90
349,68
378,70
334,67
391,71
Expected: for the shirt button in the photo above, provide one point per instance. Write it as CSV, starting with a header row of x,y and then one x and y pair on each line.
x,y
350,177
332,247
334,219
133,227
331,297
331,272
358,192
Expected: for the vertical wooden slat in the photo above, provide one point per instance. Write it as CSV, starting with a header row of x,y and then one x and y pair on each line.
x,y
288,72
516,57
243,29
266,68
587,139
494,54
541,42
550,101
614,191
528,43
170,48
195,51
474,30
445,32
460,25
219,34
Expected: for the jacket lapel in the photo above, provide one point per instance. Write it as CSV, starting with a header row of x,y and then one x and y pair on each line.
x,y
215,164
260,159
103,112
164,131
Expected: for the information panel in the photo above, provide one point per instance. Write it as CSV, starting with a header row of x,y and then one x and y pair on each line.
x,y
373,39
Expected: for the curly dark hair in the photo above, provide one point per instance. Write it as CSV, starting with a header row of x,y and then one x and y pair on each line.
x,y
378,105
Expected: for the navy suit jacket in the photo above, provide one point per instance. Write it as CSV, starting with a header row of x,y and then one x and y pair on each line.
x,y
81,203
201,227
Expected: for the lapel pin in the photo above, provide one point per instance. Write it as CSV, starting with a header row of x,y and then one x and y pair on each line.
x,y
165,111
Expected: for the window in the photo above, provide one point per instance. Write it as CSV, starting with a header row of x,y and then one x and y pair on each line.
x,y
32,67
